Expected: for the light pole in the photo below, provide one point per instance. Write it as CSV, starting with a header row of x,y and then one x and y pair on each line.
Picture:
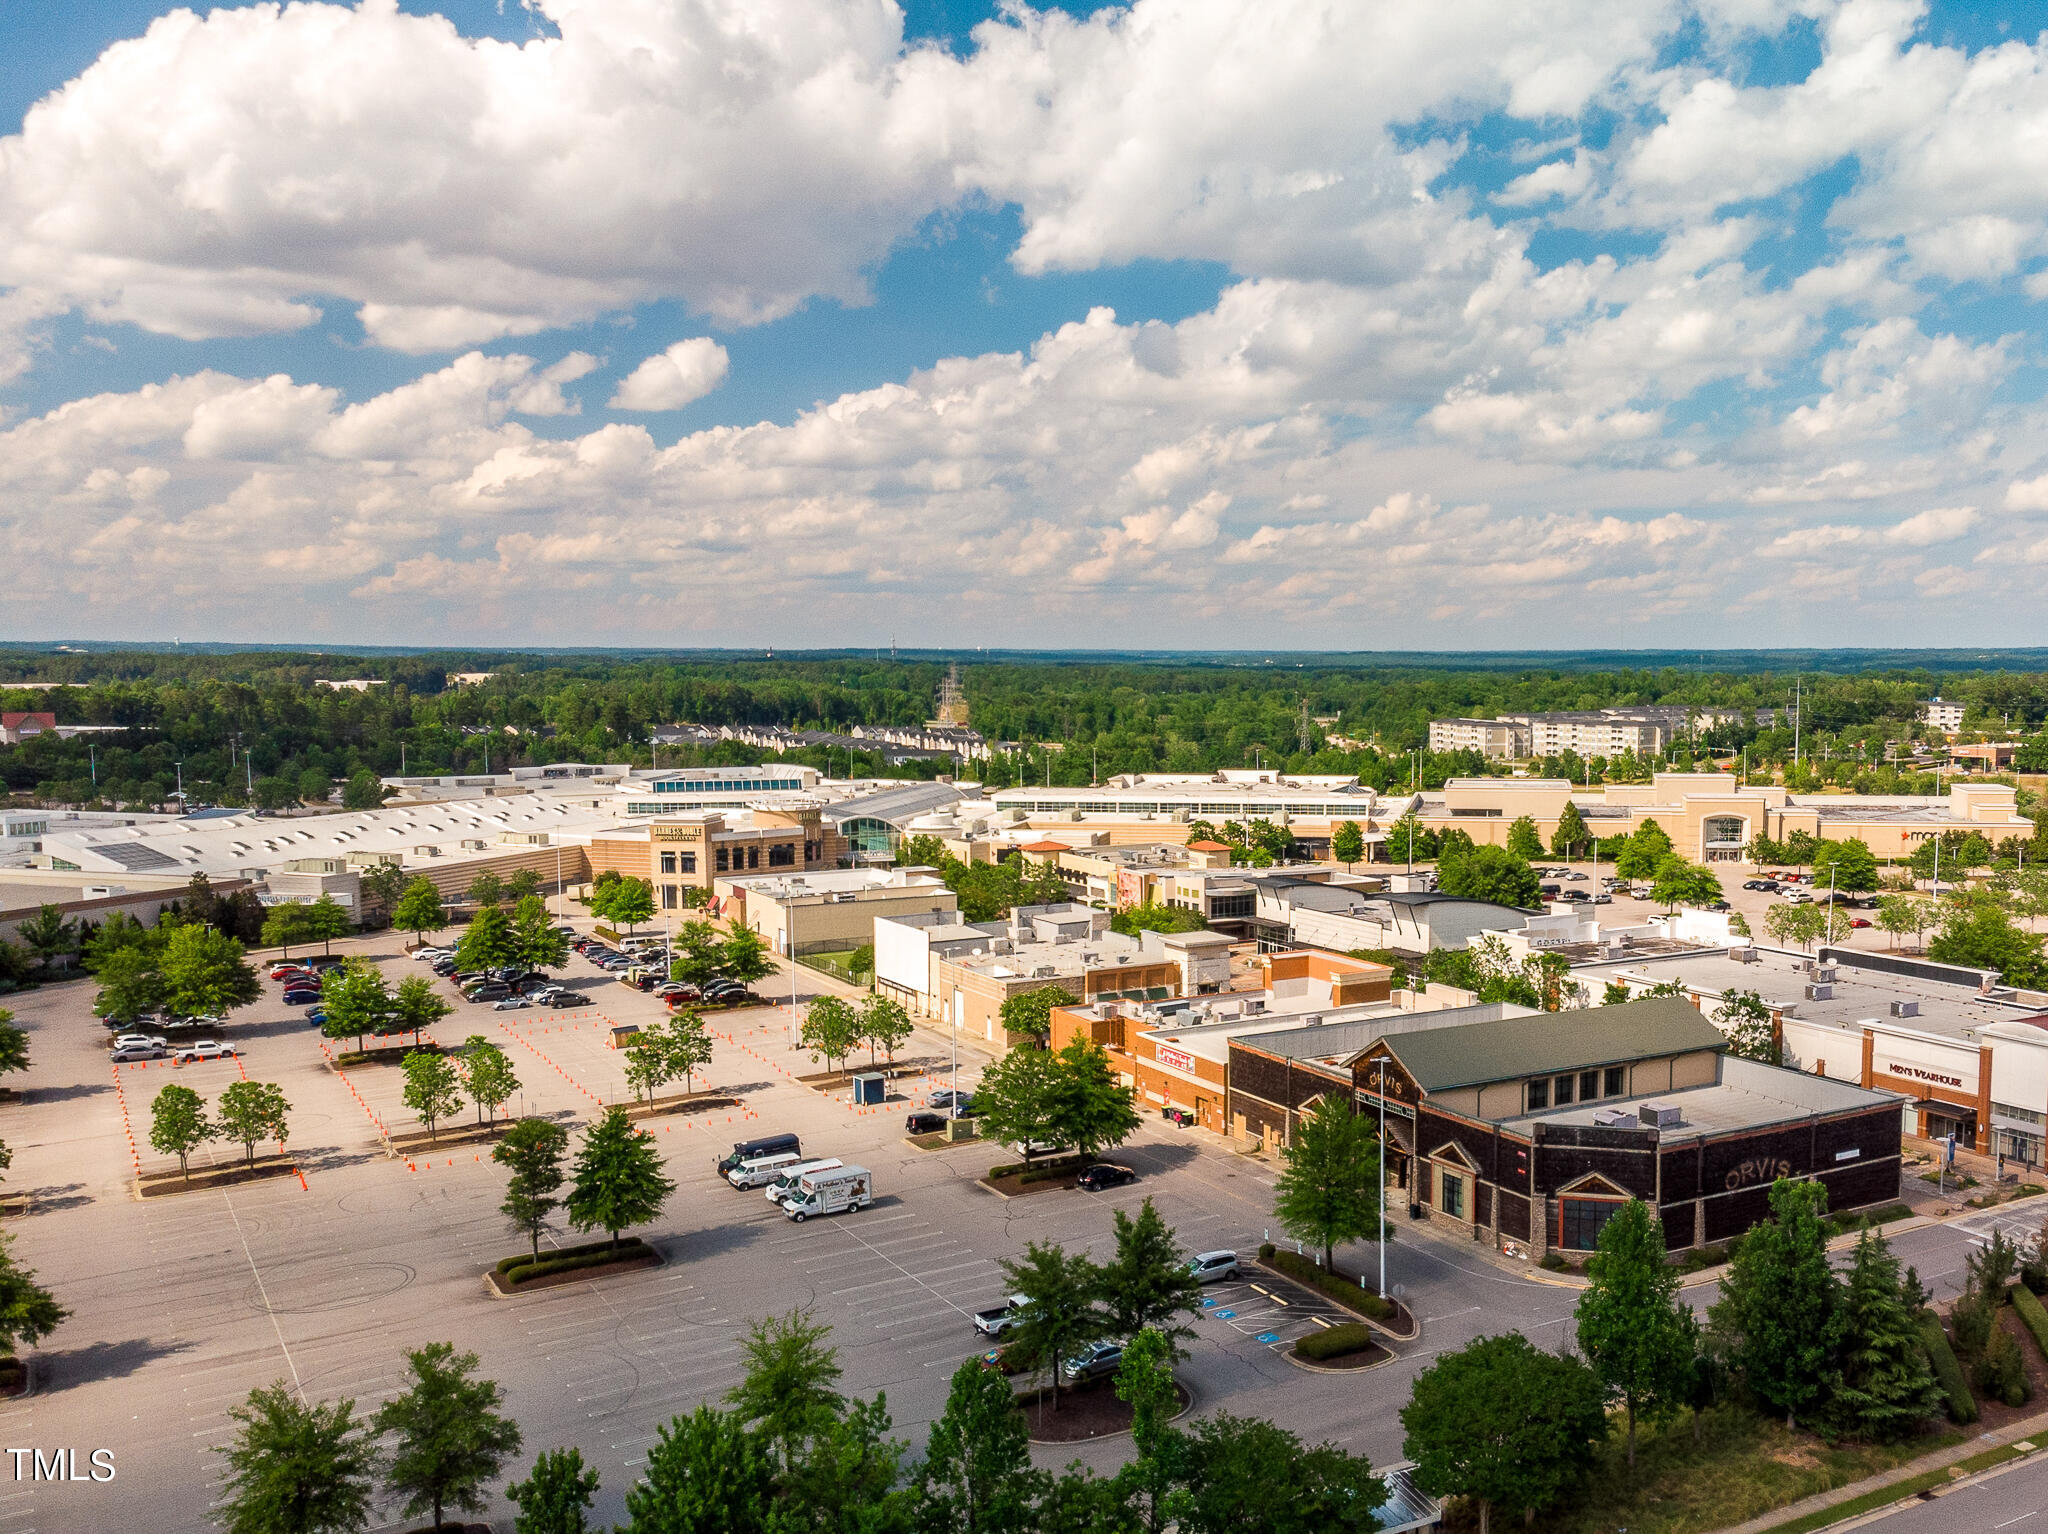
x,y
181,785
1382,1062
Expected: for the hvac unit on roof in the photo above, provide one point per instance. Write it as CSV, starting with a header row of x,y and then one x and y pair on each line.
x,y
1746,954
1820,992
1660,1116
1824,972
474,844
1613,1118
1313,1020
428,850
1905,1009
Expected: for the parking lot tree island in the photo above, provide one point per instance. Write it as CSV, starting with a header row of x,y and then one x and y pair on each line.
x,y
416,1006
487,942
831,1029
293,1467
619,1181
1146,1285
624,902
204,973
419,910
357,1001
28,1311
326,921
1062,1311
432,1088
884,1025
744,957
556,1495
488,1076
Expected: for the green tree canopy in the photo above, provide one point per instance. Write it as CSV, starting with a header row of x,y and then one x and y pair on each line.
x,y
1884,1388
1028,1015
786,1393
131,985
1491,873
362,791
831,1028
296,1469
204,974
977,1476
1571,834
1153,917
555,1498
706,1474
1501,1422
285,925
432,1089
1640,1340
416,1006
449,1437
1328,1188
1850,866
488,1076
325,921
28,1311
884,1025
744,957
1245,1473
178,1124
1746,1018
253,1110
1524,841
486,889
356,1000
1347,843
1677,882
532,1151
1062,1310
1146,1285
487,942
619,1179
1015,1098
1087,1107
1645,848
534,939
1780,1308
419,910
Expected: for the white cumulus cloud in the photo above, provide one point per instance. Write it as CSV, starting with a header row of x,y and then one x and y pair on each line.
x,y
671,379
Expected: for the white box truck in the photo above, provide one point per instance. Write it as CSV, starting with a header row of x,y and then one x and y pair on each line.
x,y
790,1176
829,1192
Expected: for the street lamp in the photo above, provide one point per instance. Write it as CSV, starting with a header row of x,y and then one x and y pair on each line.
x,y
1382,1062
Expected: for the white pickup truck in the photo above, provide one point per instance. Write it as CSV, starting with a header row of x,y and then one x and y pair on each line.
x,y
998,1319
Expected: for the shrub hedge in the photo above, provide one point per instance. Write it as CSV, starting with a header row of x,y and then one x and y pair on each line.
x,y
1336,1342
1338,1288
2031,1312
1948,1371
517,1270
1039,1171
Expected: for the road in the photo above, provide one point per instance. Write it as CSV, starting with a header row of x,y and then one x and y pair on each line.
x,y
182,1304
2013,1499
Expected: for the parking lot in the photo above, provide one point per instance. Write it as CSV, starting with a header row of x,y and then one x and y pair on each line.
x,y
182,1304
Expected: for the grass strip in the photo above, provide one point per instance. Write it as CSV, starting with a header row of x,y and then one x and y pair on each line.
x,y
1896,1491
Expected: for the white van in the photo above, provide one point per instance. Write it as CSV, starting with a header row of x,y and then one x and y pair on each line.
x,y
761,1170
842,1188
787,1182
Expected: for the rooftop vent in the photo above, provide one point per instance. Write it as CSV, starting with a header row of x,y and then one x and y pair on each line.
x,y
1660,1116
1824,972
1743,955
1313,1020
1820,992
1613,1118
1905,1009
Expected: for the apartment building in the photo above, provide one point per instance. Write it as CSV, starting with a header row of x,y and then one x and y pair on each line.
x,y
1939,714
1498,740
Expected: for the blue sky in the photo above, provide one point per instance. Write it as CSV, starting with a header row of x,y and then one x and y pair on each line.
x,y
1683,323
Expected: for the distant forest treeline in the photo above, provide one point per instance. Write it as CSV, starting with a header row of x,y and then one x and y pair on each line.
x,y
210,710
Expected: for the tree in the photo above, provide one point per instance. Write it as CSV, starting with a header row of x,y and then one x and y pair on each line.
x,y
1015,1098
204,973
1800,924
860,964
131,986
1746,1018
522,884
688,1046
1571,831
294,1469
1883,1388
1639,1339
977,1476
1523,840
1491,873
831,1028
532,1152
619,1177
850,1481
432,1089
698,954
706,1474
362,791
356,1000
1642,852
786,1393
628,903
416,1006
383,886
1505,1424
535,941
1780,1306
1028,1015
1087,1107
884,1025
1146,1286
1850,865
48,935
487,942
1328,1189
1153,917
1615,993
1678,882
284,925
486,889
555,1498
13,1044
451,1438
1898,914
744,956
1347,843
254,1110
489,1077
1145,1383
1984,937
178,1125
1062,1310
326,921
28,1312
119,933
1244,1473
922,851
419,910
314,787
647,1063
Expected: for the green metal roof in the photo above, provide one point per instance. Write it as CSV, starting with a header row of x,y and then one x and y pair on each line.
x,y
1441,1058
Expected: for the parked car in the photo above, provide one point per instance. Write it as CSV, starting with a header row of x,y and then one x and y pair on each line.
x,y
489,991
316,1017
944,1097
998,1319
924,1123
1092,1362
286,971
203,1049
326,961
570,999
300,998
1104,1174
136,1038
510,1004
1208,1267
762,1145
1600,897
1859,921
138,1049
1575,873
837,1190
759,1171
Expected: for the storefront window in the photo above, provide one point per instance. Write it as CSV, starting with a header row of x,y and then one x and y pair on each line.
x,y
668,862
1589,1086
1453,1201
689,862
1539,1096
1583,1219
1617,1081
1563,1092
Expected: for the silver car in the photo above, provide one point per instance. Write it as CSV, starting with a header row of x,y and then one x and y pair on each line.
x,y
138,1049
1208,1267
